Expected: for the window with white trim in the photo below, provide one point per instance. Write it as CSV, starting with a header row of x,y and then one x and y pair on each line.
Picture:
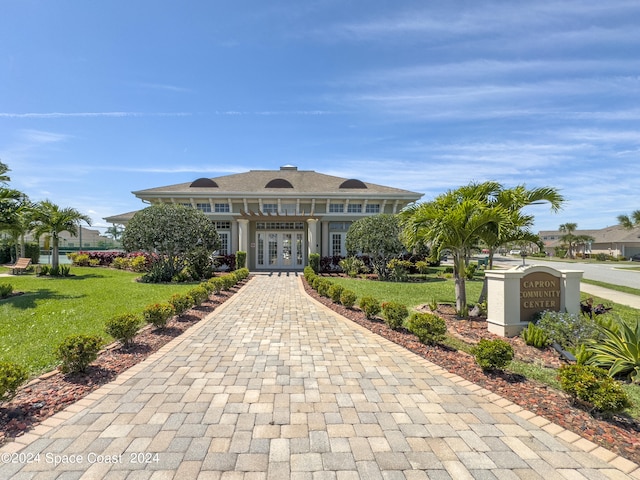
x,y
372,208
336,208
269,208
354,208
221,208
204,207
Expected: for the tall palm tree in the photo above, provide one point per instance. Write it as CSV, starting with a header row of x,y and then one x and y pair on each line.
x,y
517,228
568,238
630,221
51,219
454,221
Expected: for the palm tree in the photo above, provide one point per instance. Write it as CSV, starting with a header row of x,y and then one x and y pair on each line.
x,y
568,237
4,169
630,221
455,221
51,219
114,232
513,200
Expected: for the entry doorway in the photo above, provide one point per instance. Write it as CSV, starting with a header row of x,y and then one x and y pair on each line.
x,y
280,250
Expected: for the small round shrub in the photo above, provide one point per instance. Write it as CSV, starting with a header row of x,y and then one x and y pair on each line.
x,y
123,327
215,284
76,352
493,354
593,386
323,287
158,314
394,314
181,302
370,306
11,377
428,327
348,298
199,295
335,291
228,281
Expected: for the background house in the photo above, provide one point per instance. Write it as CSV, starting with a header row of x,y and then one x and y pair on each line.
x,y
615,241
280,216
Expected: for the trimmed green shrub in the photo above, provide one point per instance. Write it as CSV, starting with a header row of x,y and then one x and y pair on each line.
x,y
241,259
394,314
315,282
181,302
11,377
158,314
242,273
348,298
335,291
123,327
6,289
314,262
428,327
76,352
493,354
199,295
535,336
308,273
215,284
228,281
370,306
323,287
593,386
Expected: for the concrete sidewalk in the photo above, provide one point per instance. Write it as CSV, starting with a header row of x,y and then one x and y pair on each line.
x,y
273,385
611,295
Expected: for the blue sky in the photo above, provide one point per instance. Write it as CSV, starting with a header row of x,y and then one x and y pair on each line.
x,y
98,99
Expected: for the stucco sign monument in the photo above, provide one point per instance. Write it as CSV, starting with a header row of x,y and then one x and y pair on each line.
x,y
515,296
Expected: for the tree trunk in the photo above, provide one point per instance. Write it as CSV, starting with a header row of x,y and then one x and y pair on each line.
x,y
461,291
54,252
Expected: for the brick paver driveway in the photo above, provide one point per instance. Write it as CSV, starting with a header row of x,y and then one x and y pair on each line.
x,y
273,385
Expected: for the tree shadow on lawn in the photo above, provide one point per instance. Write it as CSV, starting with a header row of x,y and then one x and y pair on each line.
x,y
29,299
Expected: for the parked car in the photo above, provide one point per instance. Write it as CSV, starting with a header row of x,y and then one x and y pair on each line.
x,y
514,252
635,258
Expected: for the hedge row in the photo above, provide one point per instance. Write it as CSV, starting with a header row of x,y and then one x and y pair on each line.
x,y
76,352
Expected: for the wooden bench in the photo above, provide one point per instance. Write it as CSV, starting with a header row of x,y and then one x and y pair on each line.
x,y
21,265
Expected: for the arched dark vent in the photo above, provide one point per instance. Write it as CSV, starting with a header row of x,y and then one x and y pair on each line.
x,y
204,183
353,183
279,183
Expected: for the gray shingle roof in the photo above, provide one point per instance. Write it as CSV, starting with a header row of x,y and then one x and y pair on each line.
x,y
304,182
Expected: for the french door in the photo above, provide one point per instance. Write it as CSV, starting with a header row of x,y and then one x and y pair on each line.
x,y
280,250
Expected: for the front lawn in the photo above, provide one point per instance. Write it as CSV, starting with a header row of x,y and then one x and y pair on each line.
x,y
411,294
33,324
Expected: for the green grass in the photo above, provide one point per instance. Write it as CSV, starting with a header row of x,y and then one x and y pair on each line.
x,y
32,325
411,294
611,286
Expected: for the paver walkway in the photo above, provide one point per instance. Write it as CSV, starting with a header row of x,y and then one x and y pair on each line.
x,y
274,386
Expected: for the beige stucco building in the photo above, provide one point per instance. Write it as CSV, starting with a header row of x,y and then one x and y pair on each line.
x,y
280,216
615,240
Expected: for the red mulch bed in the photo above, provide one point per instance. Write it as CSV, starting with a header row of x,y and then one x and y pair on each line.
x,y
54,391
619,434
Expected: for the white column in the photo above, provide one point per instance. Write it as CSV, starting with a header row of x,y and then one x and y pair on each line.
x,y
243,234
324,227
570,301
312,235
